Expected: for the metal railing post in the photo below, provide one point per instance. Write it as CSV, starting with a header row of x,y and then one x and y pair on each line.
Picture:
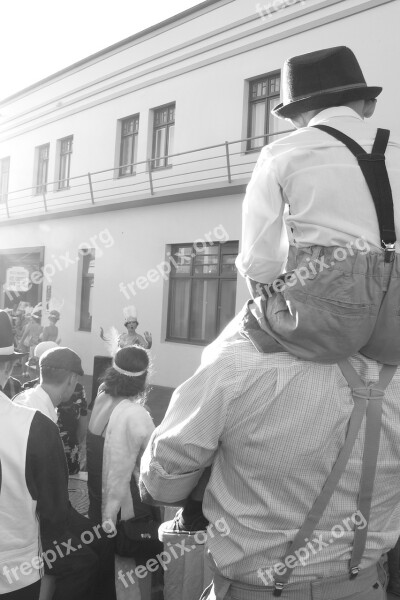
x,y
7,207
150,177
91,187
44,201
228,162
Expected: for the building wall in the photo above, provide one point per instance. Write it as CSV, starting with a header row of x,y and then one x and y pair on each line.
x,y
202,62
128,244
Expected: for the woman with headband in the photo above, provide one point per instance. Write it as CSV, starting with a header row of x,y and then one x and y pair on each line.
x,y
119,430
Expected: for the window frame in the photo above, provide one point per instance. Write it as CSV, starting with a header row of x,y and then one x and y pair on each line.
x,y
135,136
41,187
63,183
266,99
4,178
167,126
232,245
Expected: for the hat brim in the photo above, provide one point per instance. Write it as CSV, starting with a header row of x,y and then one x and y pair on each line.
x,y
14,356
325,100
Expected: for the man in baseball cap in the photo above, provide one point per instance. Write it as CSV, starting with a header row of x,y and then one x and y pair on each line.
x,y
59,371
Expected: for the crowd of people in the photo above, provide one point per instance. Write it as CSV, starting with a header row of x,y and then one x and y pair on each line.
x,y
284,447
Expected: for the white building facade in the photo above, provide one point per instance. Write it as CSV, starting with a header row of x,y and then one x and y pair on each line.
x,y
122,176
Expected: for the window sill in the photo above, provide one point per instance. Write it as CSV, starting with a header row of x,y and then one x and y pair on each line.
x,y
187,342
125,176
161,168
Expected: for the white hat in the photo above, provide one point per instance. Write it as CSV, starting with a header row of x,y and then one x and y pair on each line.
x,y
130,314
43,347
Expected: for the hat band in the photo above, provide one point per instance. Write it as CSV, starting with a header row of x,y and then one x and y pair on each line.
x,y
7,350
128,373
339,88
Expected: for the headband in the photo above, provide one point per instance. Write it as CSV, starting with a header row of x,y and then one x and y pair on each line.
x,y
128,373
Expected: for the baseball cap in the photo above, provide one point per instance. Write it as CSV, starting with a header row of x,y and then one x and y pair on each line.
x,y
61,358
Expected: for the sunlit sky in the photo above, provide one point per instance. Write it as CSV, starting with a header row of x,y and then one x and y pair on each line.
x,y
40,37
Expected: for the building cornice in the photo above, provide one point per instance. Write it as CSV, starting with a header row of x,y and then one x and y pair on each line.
x,y
296,11
148,33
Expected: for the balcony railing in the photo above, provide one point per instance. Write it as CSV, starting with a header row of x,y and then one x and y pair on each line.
x,y
224,163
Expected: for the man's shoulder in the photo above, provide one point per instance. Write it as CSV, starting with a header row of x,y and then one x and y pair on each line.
x,y
30,396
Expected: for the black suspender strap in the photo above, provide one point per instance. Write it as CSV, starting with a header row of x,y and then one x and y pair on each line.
x,y
374,170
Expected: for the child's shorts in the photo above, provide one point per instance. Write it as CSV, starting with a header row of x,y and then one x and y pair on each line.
x,y
331,303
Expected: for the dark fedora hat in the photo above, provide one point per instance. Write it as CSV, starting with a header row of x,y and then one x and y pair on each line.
x,y
7,351
322,79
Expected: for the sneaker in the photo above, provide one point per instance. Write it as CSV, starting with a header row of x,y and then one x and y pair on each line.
x,y
182,525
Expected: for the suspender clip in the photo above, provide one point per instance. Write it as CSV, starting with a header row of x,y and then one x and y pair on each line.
x,y
354,572
278,588
389,252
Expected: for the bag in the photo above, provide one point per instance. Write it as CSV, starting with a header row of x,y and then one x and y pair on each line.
x,y
138,537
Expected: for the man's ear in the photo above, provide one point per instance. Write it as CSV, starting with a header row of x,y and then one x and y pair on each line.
x,y
369,108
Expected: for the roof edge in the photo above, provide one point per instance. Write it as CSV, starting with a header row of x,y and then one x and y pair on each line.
x,y
111,48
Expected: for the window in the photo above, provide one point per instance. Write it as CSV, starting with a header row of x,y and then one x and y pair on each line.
x,y
4,178
65,162
87,274
42,168
263,97
163,136
202,291
129,135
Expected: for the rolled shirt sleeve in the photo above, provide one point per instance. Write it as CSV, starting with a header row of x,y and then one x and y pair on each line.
x,y
184,444
265,241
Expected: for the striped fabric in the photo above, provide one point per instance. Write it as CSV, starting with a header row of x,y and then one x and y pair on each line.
x,y
272,427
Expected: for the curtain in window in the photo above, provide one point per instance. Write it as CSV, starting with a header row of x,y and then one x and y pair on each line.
x,y
179,308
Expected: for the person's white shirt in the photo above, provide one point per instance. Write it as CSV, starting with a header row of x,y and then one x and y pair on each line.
x,y
37,398
307,189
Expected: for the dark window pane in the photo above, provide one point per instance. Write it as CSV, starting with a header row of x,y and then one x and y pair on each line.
x,y
228,264
4,178
181,259
179,308
257,124
227,302
86,304
65,162
204,314
88,263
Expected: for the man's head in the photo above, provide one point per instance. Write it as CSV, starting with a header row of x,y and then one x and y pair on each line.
x,y
54,316
131,324
59,371
364,108
7,354
318,80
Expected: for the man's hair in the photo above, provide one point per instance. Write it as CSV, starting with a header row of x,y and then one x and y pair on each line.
x,y
53,376
326,105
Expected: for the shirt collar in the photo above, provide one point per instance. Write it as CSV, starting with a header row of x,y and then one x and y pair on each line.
x,y
39,391
331,113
